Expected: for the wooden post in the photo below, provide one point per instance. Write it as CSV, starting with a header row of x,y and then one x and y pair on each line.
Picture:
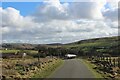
x,y
23,56
103,58
99,57
119,62
110,60
114,62
107,59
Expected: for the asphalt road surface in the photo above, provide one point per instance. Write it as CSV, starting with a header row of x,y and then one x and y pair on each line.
x,y
72,68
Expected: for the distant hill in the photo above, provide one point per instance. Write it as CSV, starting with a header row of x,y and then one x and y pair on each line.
x,y
18,46
26,45
103,39
109,45
55,44
103,45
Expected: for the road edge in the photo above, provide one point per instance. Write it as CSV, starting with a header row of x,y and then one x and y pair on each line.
x,y
96,74
62,63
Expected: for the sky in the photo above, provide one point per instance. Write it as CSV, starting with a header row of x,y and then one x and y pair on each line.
x,y
53,21
25,8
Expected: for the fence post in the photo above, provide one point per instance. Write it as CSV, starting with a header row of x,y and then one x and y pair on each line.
x,y
119,62
23,57
107,59
103,58
114,62
100,58
110,60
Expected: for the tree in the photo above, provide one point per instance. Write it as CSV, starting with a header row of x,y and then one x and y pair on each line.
x,y
42,52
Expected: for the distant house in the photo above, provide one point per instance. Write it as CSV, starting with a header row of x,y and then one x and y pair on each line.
x,y
70,56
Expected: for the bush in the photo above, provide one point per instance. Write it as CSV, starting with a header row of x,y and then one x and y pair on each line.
x,y
42,55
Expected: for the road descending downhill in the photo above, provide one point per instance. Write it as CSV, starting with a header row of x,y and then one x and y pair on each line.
x,y
72,68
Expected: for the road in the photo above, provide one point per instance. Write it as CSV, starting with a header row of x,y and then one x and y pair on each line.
x,y
72,68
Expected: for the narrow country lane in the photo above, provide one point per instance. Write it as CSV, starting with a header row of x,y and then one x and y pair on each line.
x,y
72,68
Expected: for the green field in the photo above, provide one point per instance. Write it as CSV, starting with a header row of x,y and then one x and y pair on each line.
x,y
109,45
14,51
9,51
101,42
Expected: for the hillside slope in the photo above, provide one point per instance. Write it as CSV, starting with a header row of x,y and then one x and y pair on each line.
x,y
109,45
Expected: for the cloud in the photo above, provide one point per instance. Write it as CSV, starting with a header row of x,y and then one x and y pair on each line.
x,y
55,10
51,11
111,14
11,16
59,22
88,10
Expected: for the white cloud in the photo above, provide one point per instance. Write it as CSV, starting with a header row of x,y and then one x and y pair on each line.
x,y
56,22
88,10
11,16
55,10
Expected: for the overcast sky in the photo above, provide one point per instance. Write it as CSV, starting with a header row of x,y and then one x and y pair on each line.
x,y
53,21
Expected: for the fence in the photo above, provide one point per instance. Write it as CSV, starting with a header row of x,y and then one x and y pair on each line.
x,y
107,60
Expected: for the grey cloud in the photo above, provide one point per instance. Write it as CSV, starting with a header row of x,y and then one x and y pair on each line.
x,y
112,14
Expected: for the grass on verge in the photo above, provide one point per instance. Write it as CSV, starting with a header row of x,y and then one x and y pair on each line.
x,y
48,70
14,51
90,67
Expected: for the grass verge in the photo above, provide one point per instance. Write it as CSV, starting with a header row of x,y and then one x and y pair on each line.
x,y
90,67
48,69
